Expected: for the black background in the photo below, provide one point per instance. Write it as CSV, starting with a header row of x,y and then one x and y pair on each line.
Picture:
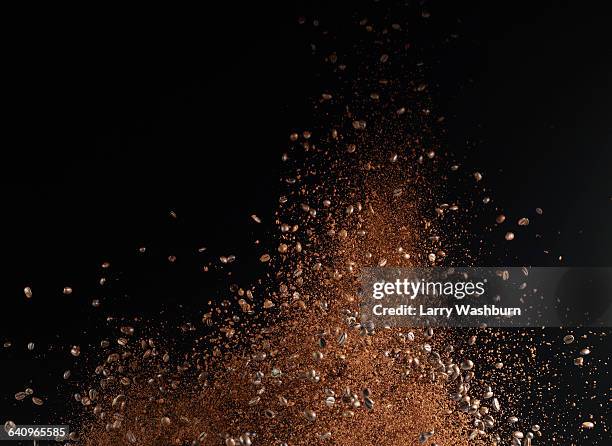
x,y
112,118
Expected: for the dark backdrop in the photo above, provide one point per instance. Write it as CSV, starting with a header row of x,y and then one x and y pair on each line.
x,y
112,118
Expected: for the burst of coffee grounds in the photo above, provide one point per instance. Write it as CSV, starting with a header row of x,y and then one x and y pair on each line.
x,y
288,359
